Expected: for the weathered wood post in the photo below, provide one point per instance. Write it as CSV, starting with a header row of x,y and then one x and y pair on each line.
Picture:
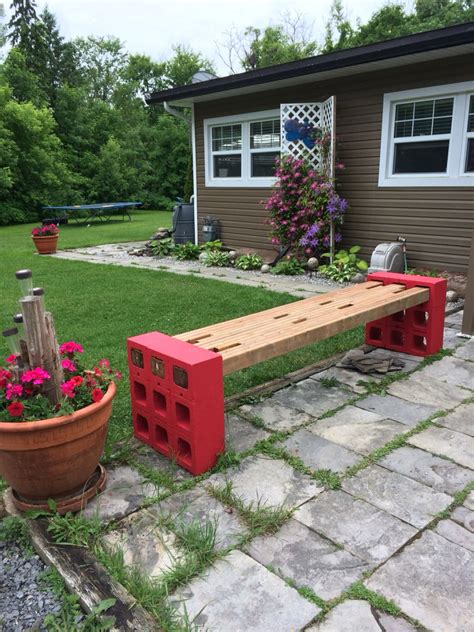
x,y
467,328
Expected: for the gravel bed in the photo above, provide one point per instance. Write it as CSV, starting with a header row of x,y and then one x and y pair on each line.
x,y
24,601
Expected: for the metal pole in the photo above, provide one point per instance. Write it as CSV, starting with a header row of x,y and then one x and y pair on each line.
x,y
467,328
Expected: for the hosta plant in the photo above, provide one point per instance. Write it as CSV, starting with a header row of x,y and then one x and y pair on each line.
x,y
249,262
216,258
163,247
187,251
290,266
345,265
211,245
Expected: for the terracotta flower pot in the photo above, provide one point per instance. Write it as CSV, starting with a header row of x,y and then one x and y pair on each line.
x,y
45,244
54,458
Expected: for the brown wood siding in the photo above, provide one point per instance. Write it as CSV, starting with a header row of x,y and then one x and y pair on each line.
x,y
437,222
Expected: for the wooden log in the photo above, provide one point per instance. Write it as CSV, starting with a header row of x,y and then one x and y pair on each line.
x,y
468,317
53,359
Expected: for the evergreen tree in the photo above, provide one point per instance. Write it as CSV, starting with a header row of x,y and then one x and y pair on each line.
x,y
22,19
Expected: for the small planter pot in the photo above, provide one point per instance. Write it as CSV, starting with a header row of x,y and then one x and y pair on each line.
x,y
45,244
54,458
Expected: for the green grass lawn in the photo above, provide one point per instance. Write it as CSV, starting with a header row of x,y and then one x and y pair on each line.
x,y
101,306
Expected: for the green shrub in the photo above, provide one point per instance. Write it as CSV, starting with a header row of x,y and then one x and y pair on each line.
x,y
187,251
216,258
249,262
163,248
211,245
345,265
291,267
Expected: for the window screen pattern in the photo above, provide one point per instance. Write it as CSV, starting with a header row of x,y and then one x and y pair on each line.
x,y
265,134
424,118
227,138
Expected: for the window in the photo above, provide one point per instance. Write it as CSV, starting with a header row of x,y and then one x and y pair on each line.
x,y
424,140
241,151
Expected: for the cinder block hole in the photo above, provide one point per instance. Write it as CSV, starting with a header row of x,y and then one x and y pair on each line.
x,y
137,358
158,367
139,391
420,342
375,333
182,414
141,425
399,317
421,317
159,402
396,337
180,377
184,450
161,436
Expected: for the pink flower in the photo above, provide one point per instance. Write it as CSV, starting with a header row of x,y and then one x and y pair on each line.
x,y
15,409
97,395
10,359
104,363
68,365
67,389
4,377
36,376
70,347
13,391
118,375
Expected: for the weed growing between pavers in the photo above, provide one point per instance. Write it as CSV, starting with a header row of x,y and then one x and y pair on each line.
x,y
459,498
77,530
15,529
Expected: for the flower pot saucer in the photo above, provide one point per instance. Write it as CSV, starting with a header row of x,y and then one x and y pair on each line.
x,y
70,503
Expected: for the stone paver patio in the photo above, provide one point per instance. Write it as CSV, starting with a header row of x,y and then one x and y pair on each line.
x,y
373,528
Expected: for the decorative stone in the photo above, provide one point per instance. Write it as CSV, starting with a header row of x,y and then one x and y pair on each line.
x,y
265,268
362,529
407,413
241,435
454,445
197,506
125,491
431,580
359,278
144,544
240,594
437,473
312,397
202,256
357,429
451,296
431,392
455,533
318,453
274,416
300,554
400,496
263,481
356,615
312,263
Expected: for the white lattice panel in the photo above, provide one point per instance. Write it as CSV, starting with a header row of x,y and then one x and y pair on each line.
x,y
298,120
328,119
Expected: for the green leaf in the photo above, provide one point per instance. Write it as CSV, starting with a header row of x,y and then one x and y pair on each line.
x,y
362,265
52,505
104,605
354,249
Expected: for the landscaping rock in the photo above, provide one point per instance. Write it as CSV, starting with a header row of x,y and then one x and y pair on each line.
x,y
387,406
357,429
431,580
144,544
241,435
238,593
275,416
318,453
300,554
359,278
454,445
312,264
430,392
362,529
360,616
431,470
264,481
400,496
451,296
265,268
455,533
197,506
312,397
125,492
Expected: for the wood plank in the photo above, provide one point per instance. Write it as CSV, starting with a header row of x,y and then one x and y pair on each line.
x,y
263,349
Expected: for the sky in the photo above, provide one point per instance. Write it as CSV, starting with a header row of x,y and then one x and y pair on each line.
x,y
152,27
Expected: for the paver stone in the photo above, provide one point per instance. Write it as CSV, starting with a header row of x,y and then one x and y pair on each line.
x,y
318,453
454,445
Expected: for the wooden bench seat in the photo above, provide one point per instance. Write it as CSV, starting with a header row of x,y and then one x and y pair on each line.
x,y
245,341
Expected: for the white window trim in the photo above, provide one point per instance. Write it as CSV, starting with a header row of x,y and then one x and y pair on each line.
x,y
245,180
455,175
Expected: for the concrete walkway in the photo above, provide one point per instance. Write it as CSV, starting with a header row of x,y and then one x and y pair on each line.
x,y
343,508
117,254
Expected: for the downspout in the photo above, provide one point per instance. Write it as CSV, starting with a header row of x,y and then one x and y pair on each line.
x,y
190,123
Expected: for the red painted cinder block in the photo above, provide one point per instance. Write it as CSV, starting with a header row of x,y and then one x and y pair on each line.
x,y
417,330
184,398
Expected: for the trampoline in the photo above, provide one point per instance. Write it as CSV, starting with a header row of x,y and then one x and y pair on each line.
x,y
86,213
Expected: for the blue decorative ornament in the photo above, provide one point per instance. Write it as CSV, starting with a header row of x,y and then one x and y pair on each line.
x,y
295,130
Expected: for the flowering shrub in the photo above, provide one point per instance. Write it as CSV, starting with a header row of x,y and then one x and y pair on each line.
x,y
23,398
44,231
302,207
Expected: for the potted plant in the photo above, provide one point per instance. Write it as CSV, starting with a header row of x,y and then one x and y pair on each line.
x,y
45,238
53,418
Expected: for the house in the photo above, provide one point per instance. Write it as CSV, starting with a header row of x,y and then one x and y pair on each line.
x,y
404,129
